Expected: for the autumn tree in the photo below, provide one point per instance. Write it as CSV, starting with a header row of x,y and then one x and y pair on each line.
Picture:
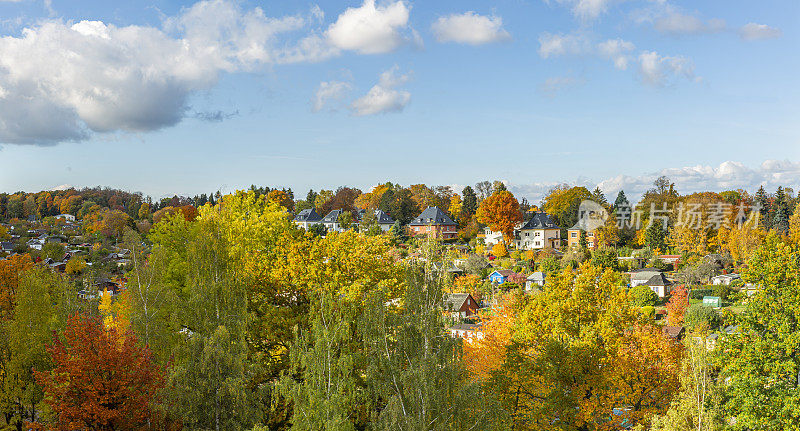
x,y
562,204
500,212
281,198
98,381
677,305
10,271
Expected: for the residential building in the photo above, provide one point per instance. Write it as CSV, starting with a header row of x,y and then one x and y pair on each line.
x,y
384,220
574,235
331,221
460,305
66,217
434,221
534,280
537,233
467,331
725,279
501,276
652,277
307,218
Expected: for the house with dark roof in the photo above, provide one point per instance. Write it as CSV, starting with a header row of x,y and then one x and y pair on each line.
x,y
535,281
434,221
652,277
7,246
331,220
460,304
307,218
537,233
385,222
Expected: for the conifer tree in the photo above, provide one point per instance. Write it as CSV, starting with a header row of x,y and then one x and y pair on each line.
x,y
780,207
469,203
763,203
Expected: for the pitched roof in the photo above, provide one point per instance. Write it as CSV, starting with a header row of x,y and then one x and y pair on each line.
x,y
432,216
537,276
382,217
466,327
644,273
675,332
658,280
332,217
540,220
308,215
454,301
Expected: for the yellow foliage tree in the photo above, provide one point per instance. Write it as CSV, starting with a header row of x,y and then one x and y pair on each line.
x,y
499,250
76,265
794,225
455,207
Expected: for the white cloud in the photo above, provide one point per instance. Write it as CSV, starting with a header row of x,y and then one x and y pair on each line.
x,y
64,82
617,50
729,175
370,29
330,91
677,23
383,97
586,9
658,70
470,28
753,31
552,45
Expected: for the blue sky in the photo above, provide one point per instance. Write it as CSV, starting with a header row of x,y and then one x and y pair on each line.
x,y
170,97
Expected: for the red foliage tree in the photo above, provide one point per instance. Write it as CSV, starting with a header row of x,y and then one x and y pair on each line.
x,y
677,305
100,380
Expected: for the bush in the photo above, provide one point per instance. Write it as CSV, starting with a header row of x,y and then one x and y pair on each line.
x,y
699,293
605,257
499,250
649,311
643,296
722,291
699,317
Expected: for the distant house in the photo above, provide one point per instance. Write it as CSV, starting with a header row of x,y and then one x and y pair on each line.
x,y
58,266
535,279
725,279
66,217
652,277
331,221
434,221
7,246
460,304
467,331
538,232
500,276
384,220
574,235
674,332
307,218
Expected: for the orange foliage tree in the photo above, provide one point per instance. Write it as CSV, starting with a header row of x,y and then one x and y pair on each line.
x,y
500,212
677,305
99,381
10,270
281,198
484,356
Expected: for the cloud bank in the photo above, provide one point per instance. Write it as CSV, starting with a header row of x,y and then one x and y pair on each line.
x,y
470,28
62,81
384,96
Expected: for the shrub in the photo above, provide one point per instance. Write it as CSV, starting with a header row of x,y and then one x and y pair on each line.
x,y
649,311
699,317
643,296
699,293
499,250
722,291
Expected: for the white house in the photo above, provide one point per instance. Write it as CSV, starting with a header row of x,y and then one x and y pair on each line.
x,y
331,221
725,279
307,218
538,233
66,217
467,331
384,220
652,278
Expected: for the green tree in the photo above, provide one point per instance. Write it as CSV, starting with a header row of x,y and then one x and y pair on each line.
x,y
325,383
655,235
764,205
643,296
469,203
780,207
760,362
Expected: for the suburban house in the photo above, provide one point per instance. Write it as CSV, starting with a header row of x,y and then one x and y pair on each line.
x,y
539,232
725,279
500,276
535,279
7,246
574,235
434,221
384,220
66,217
652,277
467,331
460,305
331,220
307,218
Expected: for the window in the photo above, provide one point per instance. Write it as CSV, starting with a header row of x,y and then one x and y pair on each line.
x,y
591,244
590,234
538,234
538,243
527,234
574,234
